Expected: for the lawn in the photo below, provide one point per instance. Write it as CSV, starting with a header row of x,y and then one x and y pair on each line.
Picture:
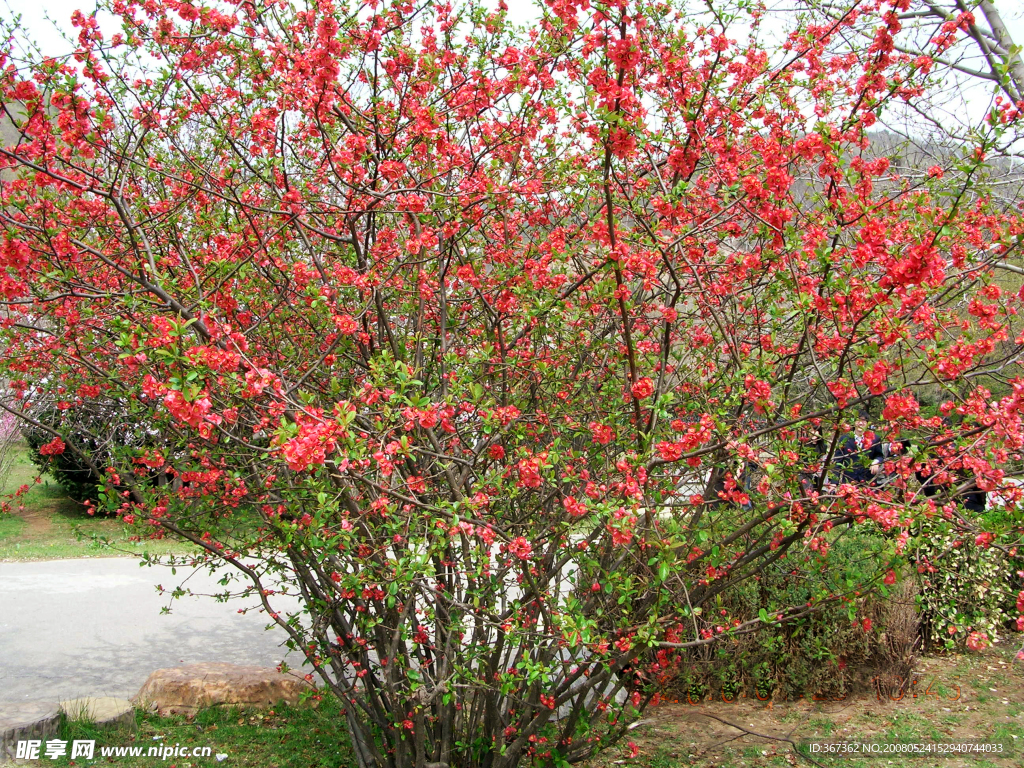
x,y
285,737
45,525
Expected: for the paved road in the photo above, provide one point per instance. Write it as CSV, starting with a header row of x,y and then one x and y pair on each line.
x,y
93,627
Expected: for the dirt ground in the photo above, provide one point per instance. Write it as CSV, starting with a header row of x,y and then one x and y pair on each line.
x,y
975,697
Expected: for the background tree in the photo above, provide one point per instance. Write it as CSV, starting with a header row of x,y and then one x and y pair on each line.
x,y
98,429
963,38
513,353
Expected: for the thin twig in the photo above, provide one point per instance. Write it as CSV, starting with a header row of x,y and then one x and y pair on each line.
x,y
764,736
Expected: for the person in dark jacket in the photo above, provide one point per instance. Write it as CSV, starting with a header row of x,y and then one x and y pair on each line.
x,y
972,498
926,477
860,456
928,474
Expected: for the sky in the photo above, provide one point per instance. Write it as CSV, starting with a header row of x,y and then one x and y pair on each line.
x,y
34,19
34,15
39,17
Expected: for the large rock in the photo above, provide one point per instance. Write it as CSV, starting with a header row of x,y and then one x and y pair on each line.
x,y
186,690
26,721
101,710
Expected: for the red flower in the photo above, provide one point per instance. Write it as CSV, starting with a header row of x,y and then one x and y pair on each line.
x,y
670,451
621,538
529,473
574,507
346,324
496,452
53,448
890,577
977,641
900,407
601,433
643,388
521,548
758,394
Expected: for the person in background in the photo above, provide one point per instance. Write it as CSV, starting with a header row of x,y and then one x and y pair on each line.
x,y
860,457
958,485
971,497
926,476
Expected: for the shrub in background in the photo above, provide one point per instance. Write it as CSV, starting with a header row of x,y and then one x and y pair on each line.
x,y
858,642
99,431
967,586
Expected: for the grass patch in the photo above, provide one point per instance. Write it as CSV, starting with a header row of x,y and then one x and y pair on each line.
x,y
46,525
11,527
823,725
284,737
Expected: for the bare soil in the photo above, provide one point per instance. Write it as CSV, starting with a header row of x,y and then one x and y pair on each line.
x,y
974,697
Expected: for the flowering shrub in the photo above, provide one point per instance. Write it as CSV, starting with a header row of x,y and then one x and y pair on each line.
x,y
488,344
965,588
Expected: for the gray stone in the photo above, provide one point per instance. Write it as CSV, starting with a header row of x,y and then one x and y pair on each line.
x,y
101,710
25,721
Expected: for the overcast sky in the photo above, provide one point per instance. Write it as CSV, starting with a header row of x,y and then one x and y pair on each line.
x,y
34,16
39,16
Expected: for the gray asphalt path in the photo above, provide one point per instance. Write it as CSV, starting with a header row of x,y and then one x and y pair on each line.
x,y
93,627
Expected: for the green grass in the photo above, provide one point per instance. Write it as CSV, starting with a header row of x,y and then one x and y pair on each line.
x,y
46,525
11,527
285,737
824,725
303,737
21,472
664,758
676,736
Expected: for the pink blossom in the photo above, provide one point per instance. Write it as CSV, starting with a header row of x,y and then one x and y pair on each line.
x,y
977,641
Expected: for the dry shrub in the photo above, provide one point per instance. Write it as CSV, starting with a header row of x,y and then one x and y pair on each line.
x,y
899,641
823,655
